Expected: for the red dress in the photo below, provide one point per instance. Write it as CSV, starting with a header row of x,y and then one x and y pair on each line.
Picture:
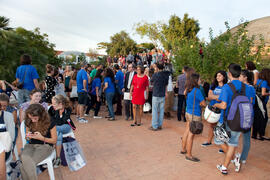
x,y
139,86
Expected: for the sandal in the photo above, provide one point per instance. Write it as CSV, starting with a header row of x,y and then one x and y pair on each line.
x,y
134,124
183,152
194,159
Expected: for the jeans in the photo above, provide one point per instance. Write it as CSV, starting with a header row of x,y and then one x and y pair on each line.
x,y
181,101
63,129
109,99
23,96
246,146
128,109
157,111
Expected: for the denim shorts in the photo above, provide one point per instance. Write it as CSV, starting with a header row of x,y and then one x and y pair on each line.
x,y
234,140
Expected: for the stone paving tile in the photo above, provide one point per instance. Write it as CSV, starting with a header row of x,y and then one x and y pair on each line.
x,y
116,151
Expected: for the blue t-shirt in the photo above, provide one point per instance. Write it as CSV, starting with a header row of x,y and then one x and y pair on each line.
x,y
30,74
96,83
252,93
226,95
110,88
198,99
82,75
119,76
216,91
264,85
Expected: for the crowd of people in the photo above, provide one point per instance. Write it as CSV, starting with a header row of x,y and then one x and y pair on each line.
x,y
138,82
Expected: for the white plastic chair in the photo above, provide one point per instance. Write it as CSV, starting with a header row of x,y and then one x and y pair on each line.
x,y
70,134
47,161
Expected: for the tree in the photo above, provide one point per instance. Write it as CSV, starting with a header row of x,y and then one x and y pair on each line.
x,y
4,26
21,41
168,35
151,30
145,46
4,23
221,51
178,30
120,44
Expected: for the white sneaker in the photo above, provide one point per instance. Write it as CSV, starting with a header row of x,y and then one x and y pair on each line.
x,y
97,117
86,115
237,162
77,118
222,169
82,120
243,161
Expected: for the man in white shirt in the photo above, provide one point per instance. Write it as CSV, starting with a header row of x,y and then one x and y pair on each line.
x,y
127,84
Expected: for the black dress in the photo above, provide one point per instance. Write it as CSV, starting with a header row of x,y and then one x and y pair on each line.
x,y
49,92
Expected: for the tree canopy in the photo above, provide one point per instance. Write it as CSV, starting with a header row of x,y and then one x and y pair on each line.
x,y
221,51
19,41
120,44
171,33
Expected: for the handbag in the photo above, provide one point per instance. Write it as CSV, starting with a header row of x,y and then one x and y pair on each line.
x,y
20,84
146,107
221,133
62,153
195,127
74,155
212,114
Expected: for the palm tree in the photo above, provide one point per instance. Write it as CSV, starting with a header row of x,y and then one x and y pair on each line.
x,y
4,22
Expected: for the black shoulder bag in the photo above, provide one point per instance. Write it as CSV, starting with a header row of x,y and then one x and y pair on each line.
x,y
20,84
195,127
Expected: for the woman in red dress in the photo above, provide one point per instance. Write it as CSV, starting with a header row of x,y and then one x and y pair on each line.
x,y
140,83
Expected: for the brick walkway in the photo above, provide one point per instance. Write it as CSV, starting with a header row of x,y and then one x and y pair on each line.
x,y
114,150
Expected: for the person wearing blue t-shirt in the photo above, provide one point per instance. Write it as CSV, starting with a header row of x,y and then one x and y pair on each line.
x,y
226,99
26,74
213,95
119,81
247,78
95,94
109,89
263,84
82,89
193,113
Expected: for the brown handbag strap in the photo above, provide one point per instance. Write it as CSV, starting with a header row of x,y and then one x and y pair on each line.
x,y
193,103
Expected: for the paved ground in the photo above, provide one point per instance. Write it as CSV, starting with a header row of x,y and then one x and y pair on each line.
x,y
114,150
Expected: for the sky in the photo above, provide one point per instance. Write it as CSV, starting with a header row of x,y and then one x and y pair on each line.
x,y
82,24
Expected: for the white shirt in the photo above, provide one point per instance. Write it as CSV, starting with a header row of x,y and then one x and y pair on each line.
x,y
131,74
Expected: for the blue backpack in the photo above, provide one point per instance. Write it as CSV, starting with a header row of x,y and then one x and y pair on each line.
x,y
240,114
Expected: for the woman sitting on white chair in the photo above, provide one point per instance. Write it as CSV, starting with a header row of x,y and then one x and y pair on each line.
x,y
60,114
41,134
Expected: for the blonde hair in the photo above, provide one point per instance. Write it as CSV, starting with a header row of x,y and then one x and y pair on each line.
x,y
61,99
